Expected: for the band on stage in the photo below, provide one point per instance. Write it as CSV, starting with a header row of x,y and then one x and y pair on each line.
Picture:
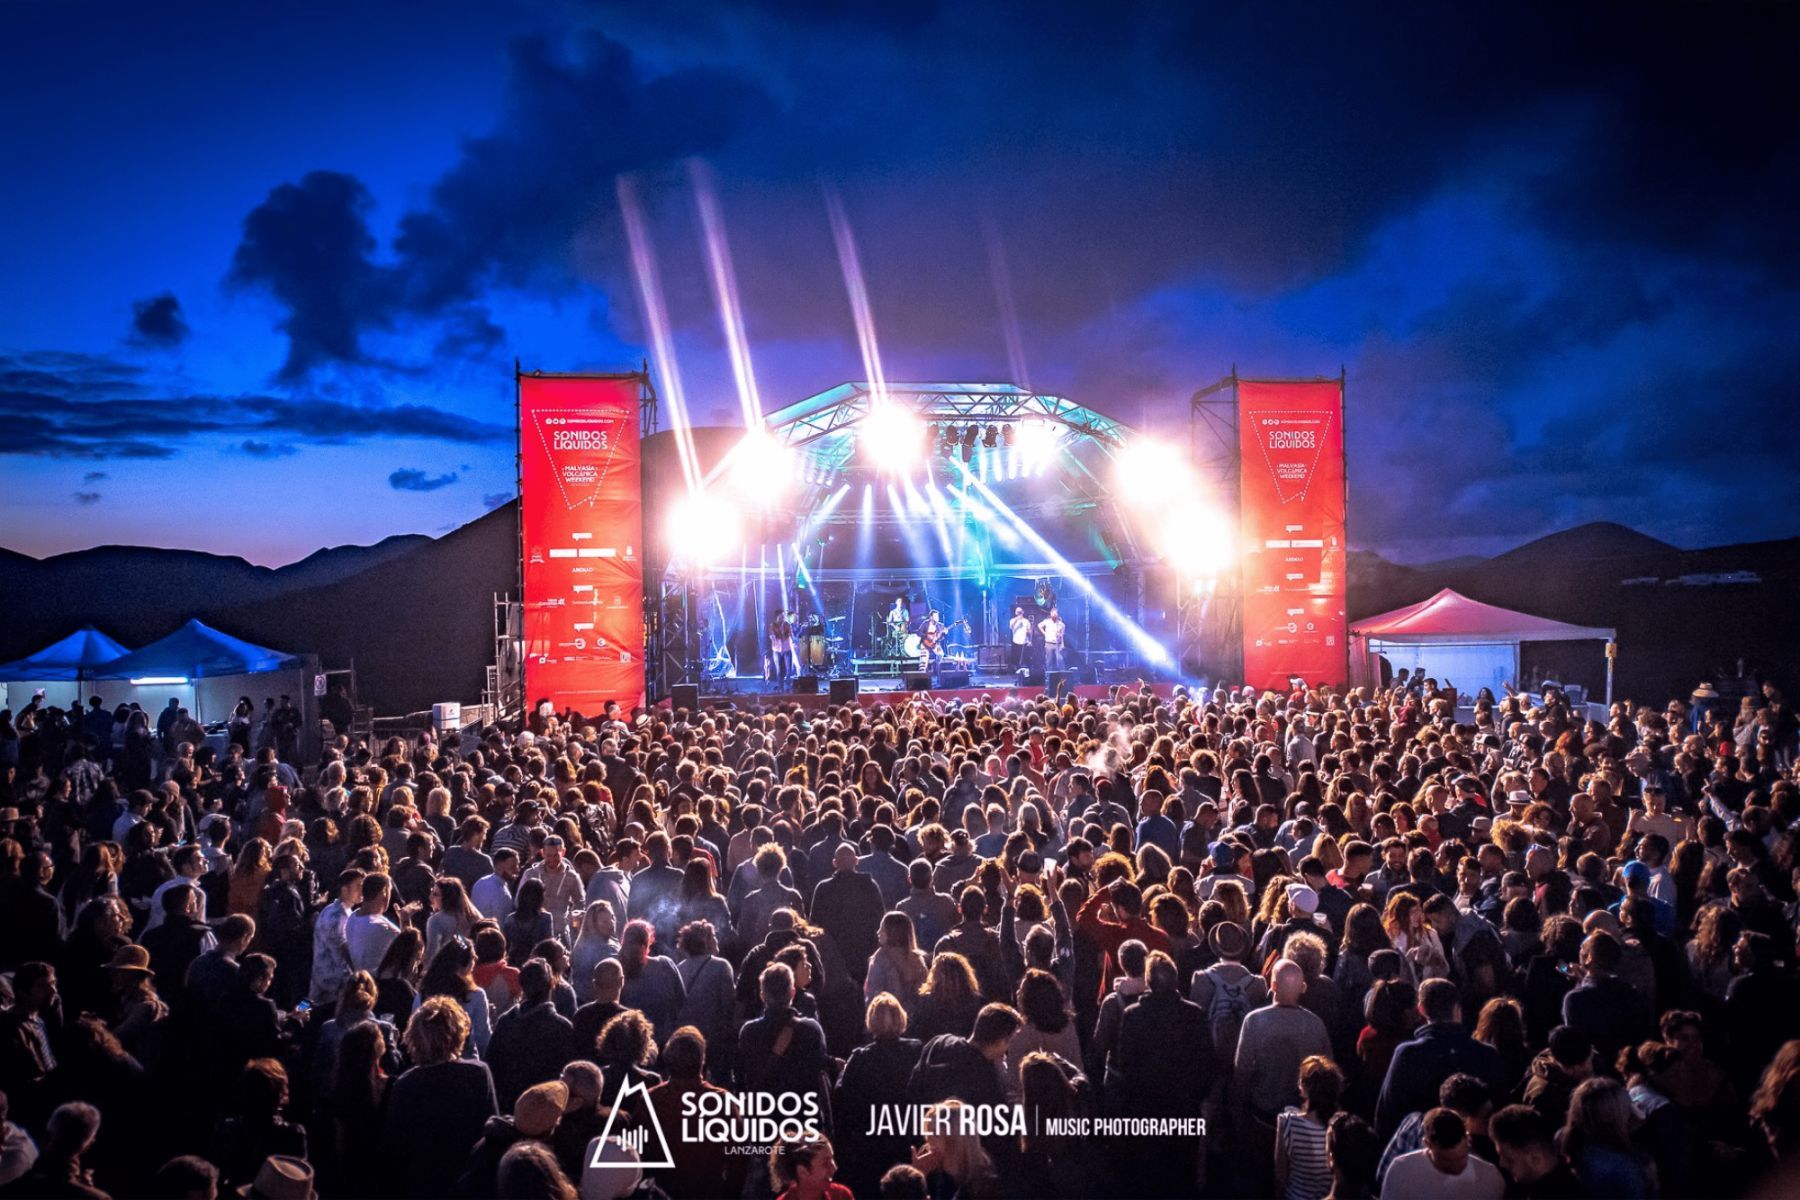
x,y
798,644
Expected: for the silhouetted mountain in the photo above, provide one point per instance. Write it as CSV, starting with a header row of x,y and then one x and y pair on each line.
x,y
415,615
323,567
1595,542
418,627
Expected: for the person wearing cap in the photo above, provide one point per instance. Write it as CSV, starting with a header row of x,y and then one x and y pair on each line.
x,y
1225,861
1302,904
1634,878
534,1118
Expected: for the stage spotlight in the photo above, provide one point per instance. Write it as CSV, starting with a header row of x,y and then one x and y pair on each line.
x,y
703,528
1149,472
991,438
761,465
1038,443
1197,542
892,438
1007,435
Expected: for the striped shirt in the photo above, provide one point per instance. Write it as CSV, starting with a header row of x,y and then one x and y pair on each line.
x,y
1302,1141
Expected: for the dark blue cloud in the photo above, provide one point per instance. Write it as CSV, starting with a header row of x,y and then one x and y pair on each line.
x,y
69,406
511,213
258,449
496,499
157,321
86,499
411,479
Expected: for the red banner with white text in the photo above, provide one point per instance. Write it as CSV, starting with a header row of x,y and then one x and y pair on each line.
x,y
1292,498
582,537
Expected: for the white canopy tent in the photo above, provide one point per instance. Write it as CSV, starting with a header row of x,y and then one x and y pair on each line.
x,y
1451,637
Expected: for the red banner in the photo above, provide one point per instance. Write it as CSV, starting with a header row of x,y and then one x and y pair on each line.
x,y
1292,504
582,535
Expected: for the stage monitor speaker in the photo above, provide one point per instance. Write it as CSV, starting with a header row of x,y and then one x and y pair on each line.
x,y
685,695
994,658
843,691
916,681
953,679
806,685
1058,682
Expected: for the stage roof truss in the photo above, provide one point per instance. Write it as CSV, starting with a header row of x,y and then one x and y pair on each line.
x,y
822,427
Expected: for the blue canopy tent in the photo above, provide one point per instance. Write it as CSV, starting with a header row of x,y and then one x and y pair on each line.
x,y
74,659
209,670
196,651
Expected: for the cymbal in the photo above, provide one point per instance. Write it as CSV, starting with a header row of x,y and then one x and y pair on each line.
x,y
836,620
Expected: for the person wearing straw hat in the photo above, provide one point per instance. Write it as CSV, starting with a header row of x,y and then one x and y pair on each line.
x,y
281,1177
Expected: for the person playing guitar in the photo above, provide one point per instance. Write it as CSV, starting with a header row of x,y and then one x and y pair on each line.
x,y
931,641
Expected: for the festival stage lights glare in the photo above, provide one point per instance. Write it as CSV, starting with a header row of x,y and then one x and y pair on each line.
x,y
1036,444
1196,541
892,438
1149,472
761,466
1152,650
703,528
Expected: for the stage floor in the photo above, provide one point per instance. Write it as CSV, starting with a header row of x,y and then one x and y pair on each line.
x,y
878,691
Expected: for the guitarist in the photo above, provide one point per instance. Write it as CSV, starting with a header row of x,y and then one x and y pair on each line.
x,y
931,638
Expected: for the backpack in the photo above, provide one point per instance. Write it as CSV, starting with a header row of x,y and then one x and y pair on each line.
x,y
1225,1011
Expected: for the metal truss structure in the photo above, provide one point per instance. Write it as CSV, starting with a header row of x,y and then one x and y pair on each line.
x,y
1209,627
821,427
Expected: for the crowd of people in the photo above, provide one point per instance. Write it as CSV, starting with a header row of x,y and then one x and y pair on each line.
x,y
1383,943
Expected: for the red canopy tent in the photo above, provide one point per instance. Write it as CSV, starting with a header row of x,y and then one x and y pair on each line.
x,y
1450,636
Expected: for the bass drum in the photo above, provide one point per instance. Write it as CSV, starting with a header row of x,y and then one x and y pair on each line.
x,y
913,646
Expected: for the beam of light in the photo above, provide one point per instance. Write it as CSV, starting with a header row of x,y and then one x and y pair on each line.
x,y
857,290
865,528
656,323
904,524
725,290
781,573
1148,646
1003,298
943,519
820,511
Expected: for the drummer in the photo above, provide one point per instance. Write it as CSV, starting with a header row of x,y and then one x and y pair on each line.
x,y
898,619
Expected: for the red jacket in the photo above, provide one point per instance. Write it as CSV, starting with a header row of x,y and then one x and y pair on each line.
x,y
1110,935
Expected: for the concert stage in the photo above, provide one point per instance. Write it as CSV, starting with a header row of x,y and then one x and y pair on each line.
x,y
1005,690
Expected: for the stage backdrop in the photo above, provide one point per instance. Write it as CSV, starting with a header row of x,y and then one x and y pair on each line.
x,y
582,537
1292,503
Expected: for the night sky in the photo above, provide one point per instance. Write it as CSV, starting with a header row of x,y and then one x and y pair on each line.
x,y
268,267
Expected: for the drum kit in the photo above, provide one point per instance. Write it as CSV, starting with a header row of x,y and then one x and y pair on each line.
x,y
821,652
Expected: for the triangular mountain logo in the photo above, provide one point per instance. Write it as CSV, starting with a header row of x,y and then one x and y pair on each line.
x,y
1292,460
648,1142
577,474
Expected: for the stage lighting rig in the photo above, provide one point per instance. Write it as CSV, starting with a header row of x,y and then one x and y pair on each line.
x,y
991,438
